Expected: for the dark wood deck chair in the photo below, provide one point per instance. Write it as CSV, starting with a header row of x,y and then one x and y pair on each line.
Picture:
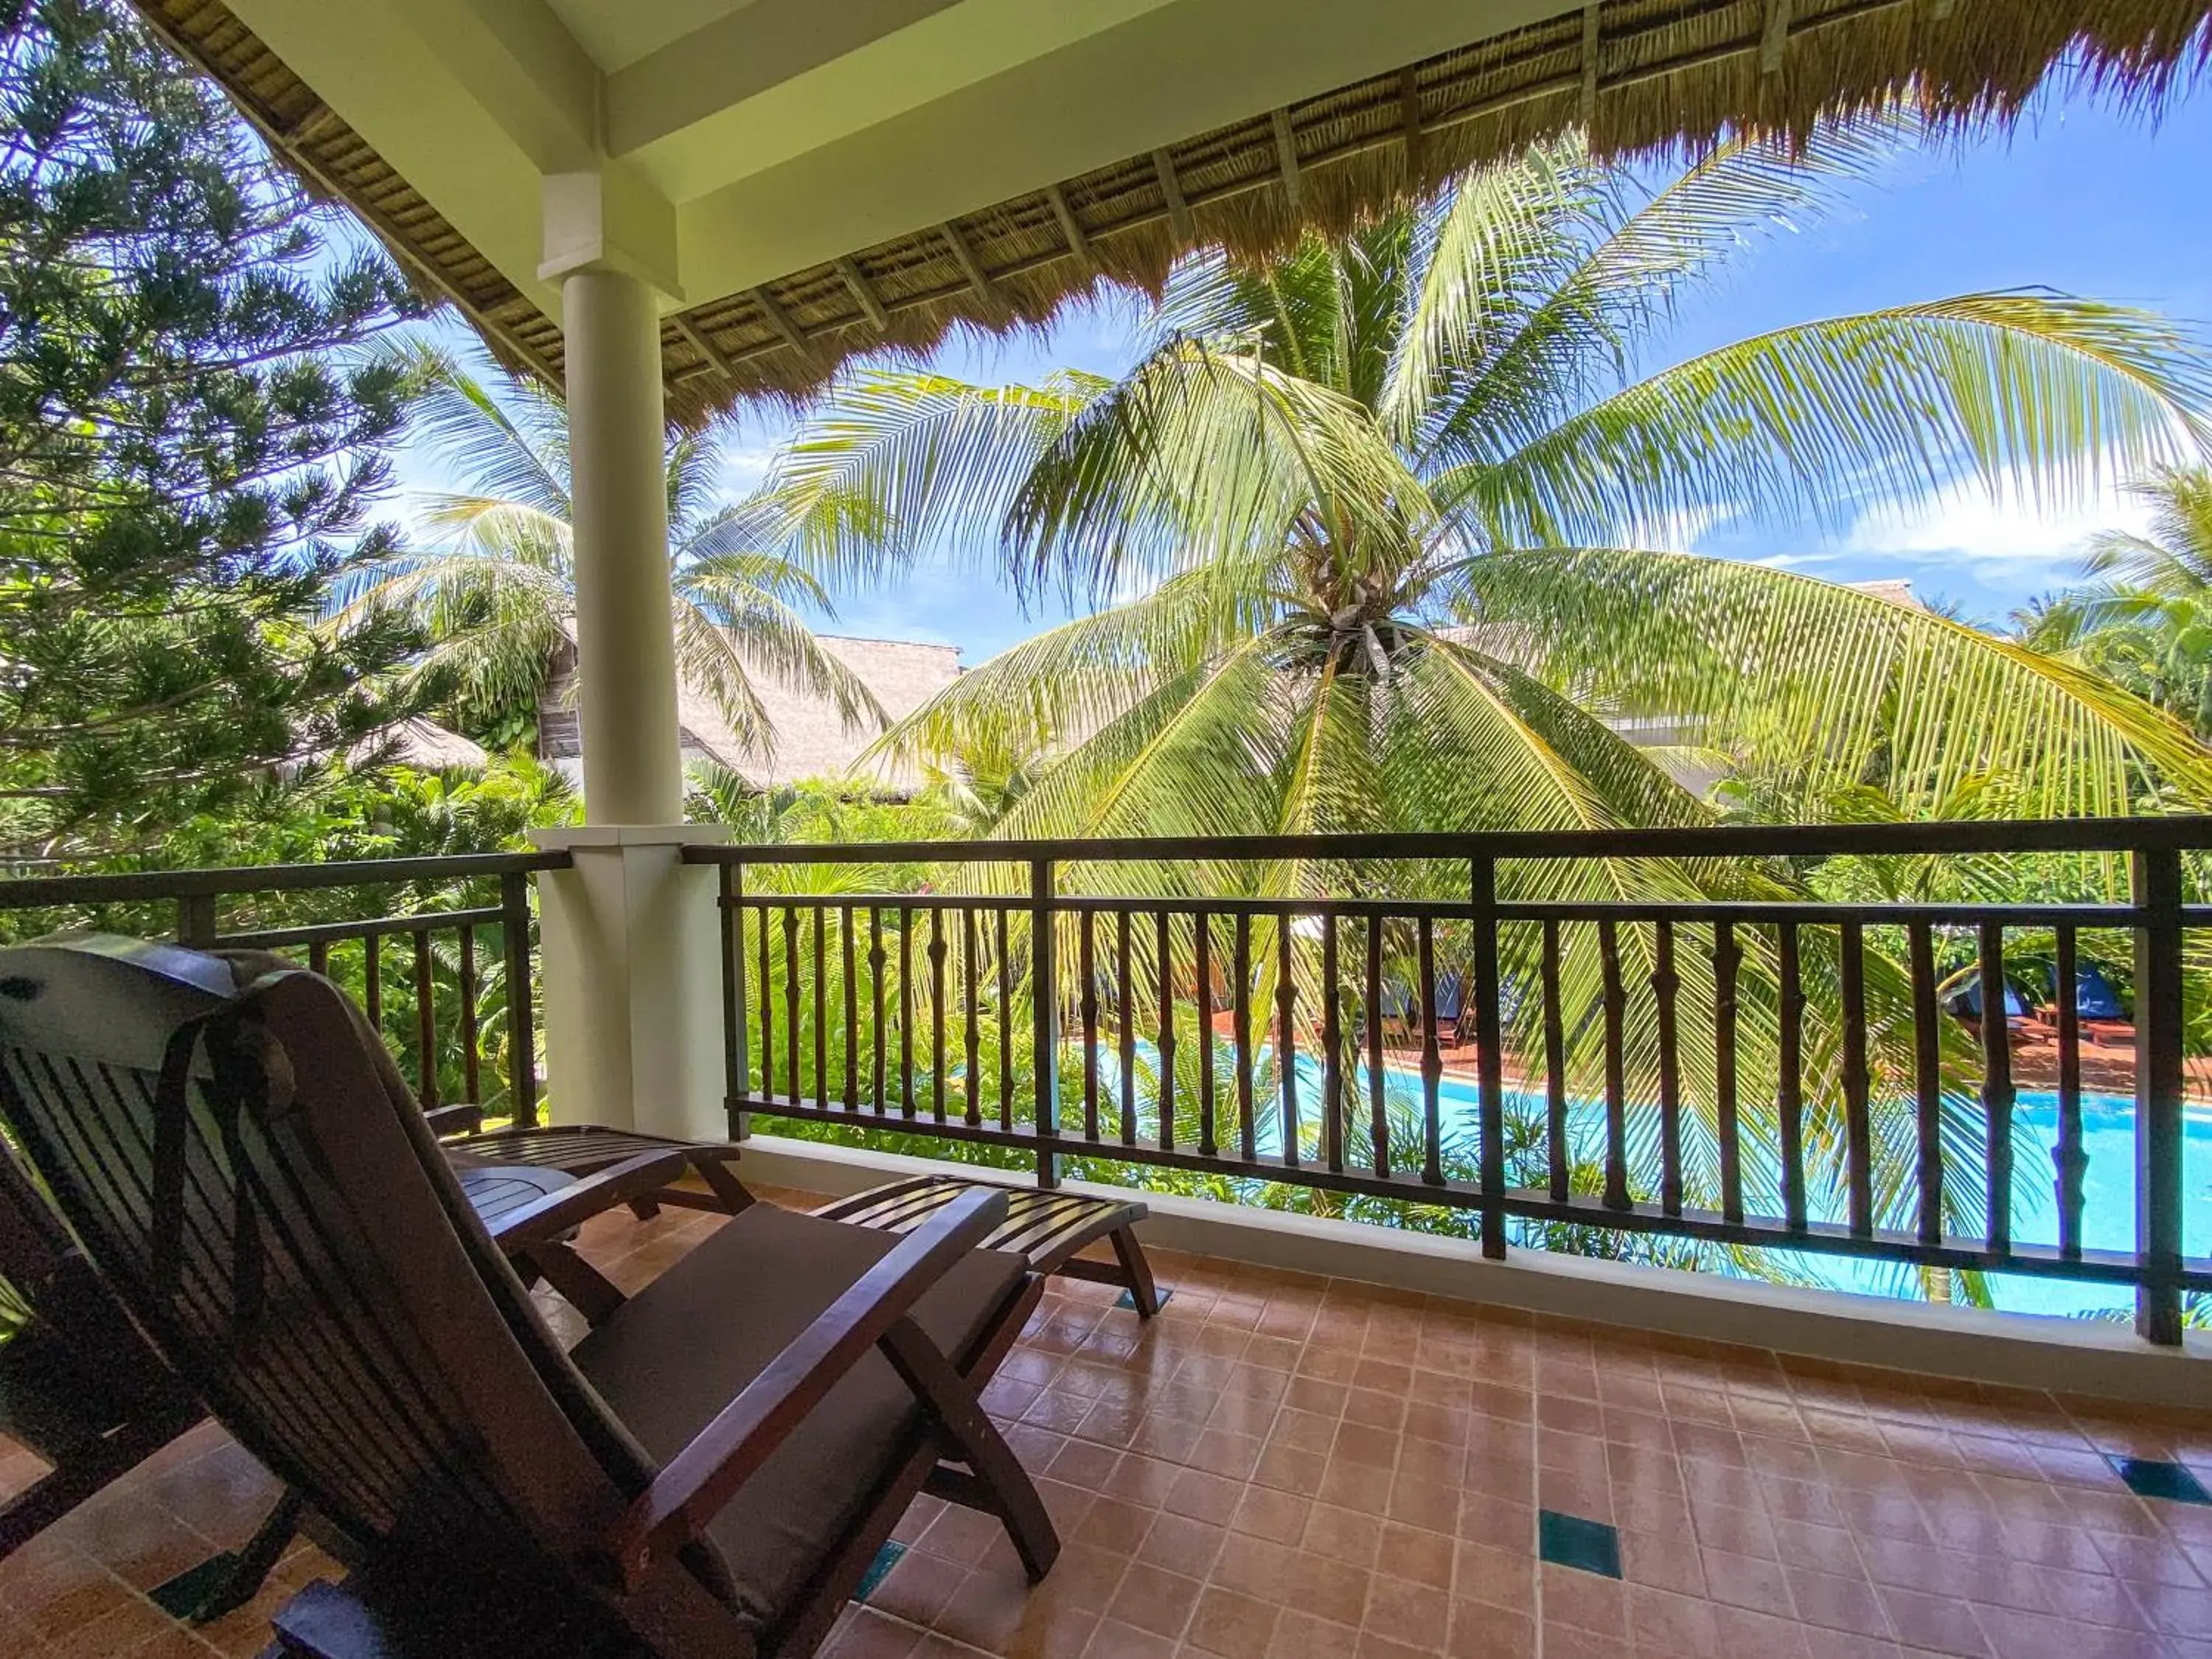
x,y
79,1387
711,1473
576,1149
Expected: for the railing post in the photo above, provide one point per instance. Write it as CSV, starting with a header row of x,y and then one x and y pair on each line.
x,y
2159,1083
196,921
737,1042
1489,1055
1044,1029
521,1033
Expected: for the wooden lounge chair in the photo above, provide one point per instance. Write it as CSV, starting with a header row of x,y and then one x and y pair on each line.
x,y
80,1387
711,1471
576,1149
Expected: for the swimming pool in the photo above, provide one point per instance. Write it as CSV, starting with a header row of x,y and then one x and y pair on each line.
x,y
2108,1193
2108,1184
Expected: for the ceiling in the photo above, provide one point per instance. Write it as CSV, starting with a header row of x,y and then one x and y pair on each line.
x,y
734,141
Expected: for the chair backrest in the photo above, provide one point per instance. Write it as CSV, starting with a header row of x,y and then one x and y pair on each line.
x,y
293,1244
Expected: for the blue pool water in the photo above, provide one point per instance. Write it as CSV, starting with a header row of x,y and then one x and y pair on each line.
x,y
2108,1217
2108,1192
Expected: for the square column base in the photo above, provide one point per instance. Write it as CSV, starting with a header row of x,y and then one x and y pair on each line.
x,y
630,943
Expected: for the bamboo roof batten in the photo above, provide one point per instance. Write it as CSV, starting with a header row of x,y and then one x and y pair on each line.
x,y
1641,75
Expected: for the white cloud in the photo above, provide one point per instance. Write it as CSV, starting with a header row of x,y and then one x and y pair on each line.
x,y
1964,524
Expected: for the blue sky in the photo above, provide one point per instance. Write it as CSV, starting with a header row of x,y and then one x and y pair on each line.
x,y
2078,199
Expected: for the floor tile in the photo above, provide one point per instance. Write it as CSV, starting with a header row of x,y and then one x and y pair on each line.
x,y
1293,1468
1572,1541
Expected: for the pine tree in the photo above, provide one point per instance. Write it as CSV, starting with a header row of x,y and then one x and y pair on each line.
x,y
192,431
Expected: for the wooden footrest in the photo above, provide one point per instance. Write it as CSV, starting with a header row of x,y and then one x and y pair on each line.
x,y
1048,1228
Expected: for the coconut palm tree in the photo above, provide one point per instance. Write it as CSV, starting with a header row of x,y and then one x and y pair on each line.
x,y
2148,624
497,594
1367,530
1368,522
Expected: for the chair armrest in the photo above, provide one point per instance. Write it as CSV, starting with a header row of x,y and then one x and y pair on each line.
x,y
696,1483
445,1120
549,1216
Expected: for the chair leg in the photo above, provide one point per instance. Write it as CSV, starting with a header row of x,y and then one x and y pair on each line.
x,y
1001,1482
1136,1272
253,1565
715,1172
644,1208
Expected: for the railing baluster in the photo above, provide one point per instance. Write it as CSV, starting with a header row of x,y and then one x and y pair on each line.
x,y
1125,1017
197,926
2159,1083
1928,1076
878,1059
737,1065
1086,946
847,951
2068,1158
1858,1125
1378,1115
969,976
1665,984
1332,1045
1248,1141
821,1009
1616,1093
1727,957
791,1021
1286,1035
1996,1088
1203,970
1164,946
906,1010
1488,990
1005,1024
1555,1066
471,1067
372,983
426,1023
318,957
767,1009
937,1014
521,1024
1790,1088
1044,1031
1433,1065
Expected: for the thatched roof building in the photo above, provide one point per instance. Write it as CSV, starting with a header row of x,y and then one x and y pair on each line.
x,y
1639,74
812,739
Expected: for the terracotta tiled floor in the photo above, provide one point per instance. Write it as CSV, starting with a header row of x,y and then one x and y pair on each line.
x,y
1297,1467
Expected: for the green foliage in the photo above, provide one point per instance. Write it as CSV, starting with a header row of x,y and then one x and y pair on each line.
x,y
190,438
498,598
2148,626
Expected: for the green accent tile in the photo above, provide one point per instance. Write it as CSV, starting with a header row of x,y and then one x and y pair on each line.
x,y
1129,1300
879,1570
2153,1477
1568,1540
181,1597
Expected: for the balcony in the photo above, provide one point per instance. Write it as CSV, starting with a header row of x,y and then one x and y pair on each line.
x,y
1283,1464
1460,1402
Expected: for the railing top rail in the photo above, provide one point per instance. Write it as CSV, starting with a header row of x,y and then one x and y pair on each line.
x,y
33,892
2140,834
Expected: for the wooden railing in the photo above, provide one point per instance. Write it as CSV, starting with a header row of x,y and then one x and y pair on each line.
x,y
457,944
1704,1053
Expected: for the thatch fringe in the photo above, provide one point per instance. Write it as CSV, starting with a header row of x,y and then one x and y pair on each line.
x,y
1641,75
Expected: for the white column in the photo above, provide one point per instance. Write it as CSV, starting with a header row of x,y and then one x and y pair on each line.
x,y
625,645
630,940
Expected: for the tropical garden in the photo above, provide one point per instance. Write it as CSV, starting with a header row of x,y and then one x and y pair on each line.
x,y
1372,536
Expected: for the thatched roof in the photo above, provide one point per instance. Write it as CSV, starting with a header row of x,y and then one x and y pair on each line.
x,y
811,738
424,744
1639,73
